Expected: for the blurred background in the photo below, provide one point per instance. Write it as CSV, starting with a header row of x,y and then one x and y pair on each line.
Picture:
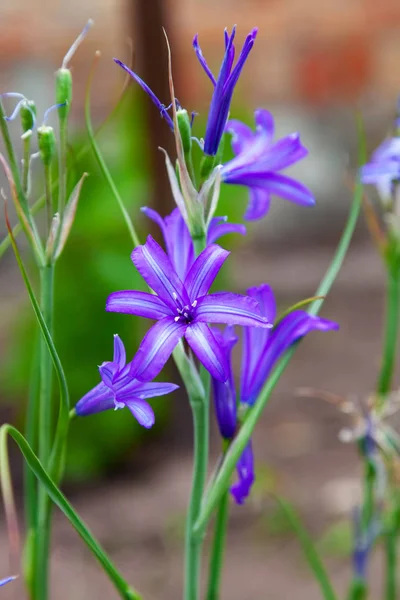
x,y
314,65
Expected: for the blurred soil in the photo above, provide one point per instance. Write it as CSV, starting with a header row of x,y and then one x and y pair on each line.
x,y
140,520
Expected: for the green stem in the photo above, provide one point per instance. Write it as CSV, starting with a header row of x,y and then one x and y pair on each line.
x,y
392,326
391,566
31,433
218,547
25,170
49,196
358,590
41,573
193,543
62,166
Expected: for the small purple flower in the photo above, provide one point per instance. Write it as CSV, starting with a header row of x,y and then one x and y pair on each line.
x,y
182,309
224,86
262,348
161,107
383,170
118,389
224,391
258,160
178,242
246,476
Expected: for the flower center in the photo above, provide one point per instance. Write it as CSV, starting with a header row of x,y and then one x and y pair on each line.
x,y
185,314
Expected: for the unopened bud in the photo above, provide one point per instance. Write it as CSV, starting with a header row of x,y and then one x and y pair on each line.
x,y
63,92
28,115
46,143
185,130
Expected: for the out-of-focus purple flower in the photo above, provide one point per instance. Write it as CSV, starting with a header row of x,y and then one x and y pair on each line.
x,y
224,391
118,389
182,309
258,161
7,580
262,348
363,542
161,107
224,86
245,470
383,170
178,241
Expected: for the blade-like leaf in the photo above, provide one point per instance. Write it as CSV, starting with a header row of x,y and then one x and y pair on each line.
x,y
126,592
69,216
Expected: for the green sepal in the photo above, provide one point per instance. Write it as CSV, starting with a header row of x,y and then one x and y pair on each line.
x,y
28,114
63,92
206,166
46,143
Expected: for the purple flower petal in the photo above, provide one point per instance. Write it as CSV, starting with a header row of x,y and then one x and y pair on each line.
x,y
151,389
156,348
283,186
98,399
119,352
201,340
255,339
202,60
231,309
241,134
156,269
292,327
7,580
141,304
245,470
108,371
225,392
265,123
219,227
259,203
141,410
204,270
149,92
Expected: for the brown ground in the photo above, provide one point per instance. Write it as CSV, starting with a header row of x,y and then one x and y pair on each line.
x,y
140,522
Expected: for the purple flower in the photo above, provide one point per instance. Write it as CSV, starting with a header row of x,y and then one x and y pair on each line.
x,y
223,86
119,389
178,242
182,309
224,391
161,107
383,170
262,348
258,160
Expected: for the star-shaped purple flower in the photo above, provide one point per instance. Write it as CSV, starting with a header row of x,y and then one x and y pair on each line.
x,y
261,350
118,389
258,160
178,242
182,309
224,86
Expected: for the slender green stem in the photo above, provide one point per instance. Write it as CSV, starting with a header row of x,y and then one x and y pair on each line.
x,y
218,548
222,480
358,590
48,185
45,438
193,544
391,331
62,165
390,541
31,434
25,169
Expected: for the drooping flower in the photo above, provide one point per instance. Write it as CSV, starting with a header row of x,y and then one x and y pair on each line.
x,y
383,170
261,350
118,389
258,161
161,107
182,309
224,86
178,242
